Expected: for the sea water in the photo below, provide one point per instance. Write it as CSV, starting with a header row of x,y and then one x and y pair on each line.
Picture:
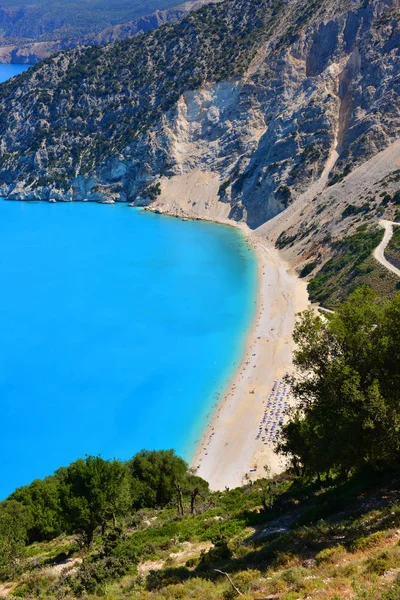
x,y
8,71
119,330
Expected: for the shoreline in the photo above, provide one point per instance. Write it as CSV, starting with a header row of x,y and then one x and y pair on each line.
x,y
229,452
224,388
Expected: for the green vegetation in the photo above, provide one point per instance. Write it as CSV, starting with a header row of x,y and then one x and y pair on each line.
x,y
351,210
223,187
330,541
91,493
285,240
149,529
284,194
153,191
347,384
340,176
351,266
307,269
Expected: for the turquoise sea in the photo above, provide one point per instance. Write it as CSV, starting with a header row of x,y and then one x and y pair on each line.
x,y
118,329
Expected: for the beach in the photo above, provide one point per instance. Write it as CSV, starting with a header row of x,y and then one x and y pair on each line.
x,y
231,450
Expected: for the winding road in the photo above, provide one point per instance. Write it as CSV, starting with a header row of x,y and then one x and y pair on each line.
x,y
379,252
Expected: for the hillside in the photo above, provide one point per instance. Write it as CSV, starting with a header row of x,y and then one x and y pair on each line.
x,y
55,19
88,27
283,102
276,539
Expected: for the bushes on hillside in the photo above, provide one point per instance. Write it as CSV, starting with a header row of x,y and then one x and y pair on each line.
x,y
86,497
347,385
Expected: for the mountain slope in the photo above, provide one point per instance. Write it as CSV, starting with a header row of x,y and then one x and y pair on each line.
x,y
277,538
278,99
69,19
28,51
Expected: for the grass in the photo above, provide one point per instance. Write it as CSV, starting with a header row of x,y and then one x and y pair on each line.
x,y
353,266
329,541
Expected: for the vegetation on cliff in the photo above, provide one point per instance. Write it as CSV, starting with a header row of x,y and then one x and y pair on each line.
x,y
81,113
393,248
350,266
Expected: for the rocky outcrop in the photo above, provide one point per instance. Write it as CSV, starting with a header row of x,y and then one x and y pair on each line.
x,y
268,96
28,53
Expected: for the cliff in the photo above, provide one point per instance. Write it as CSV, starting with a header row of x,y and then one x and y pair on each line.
x,y
279,100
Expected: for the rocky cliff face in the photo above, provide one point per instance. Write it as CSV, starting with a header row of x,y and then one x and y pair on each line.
x,y
268,96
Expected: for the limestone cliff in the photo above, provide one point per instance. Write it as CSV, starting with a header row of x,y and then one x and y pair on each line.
x,y
278,99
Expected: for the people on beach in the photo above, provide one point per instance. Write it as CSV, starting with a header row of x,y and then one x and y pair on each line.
x,y
273,416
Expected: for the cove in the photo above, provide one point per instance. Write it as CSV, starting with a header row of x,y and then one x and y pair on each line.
x,y
118,331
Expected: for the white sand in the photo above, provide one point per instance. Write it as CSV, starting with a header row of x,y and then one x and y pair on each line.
x,y
233,450
229,449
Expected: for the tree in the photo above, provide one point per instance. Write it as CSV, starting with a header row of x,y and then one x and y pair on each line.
x,y
155,476
43,500
194,487
347,387
15,520
92,492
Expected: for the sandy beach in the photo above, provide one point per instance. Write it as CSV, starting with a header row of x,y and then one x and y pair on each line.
x,y
231,449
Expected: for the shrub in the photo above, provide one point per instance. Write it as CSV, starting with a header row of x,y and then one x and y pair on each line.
x,y
245,579
223,187
306,270
330,555
94,574
284,194
293,576
380,563
153,191
368,542
284,559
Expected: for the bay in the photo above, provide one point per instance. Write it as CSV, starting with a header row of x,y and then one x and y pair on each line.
x,y
119,330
